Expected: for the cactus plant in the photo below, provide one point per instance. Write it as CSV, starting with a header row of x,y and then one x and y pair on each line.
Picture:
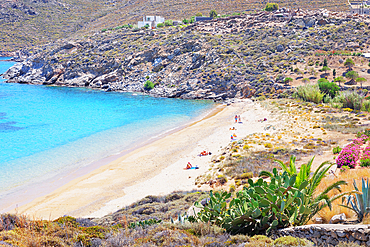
x,y
288,199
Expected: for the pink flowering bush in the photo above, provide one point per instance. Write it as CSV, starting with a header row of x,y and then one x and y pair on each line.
x,y
361,140
349,155
365,159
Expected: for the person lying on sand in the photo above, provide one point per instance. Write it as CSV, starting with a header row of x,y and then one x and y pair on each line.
x,y
189,166
204,153
262,120
233,128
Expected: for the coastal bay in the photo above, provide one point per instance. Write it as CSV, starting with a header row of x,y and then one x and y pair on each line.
x,y
156,168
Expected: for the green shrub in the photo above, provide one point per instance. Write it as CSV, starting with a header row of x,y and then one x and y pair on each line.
x,y
148,85
213,13
349,99
328,88
159,25
291,241
366,106
365,163
288,80
309,93
185,21
245,175
337,150
168,23
271,6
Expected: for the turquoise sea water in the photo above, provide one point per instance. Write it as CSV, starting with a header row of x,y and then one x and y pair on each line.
x,y
47,130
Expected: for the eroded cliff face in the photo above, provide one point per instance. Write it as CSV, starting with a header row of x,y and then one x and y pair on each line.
x,y
224,58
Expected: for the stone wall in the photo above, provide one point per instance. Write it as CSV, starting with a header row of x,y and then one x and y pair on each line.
x,y
329,234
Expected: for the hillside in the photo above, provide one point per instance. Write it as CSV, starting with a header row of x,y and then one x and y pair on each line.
x,y
133,11
26,23
224,58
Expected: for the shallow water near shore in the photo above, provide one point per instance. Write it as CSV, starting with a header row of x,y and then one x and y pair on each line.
x,y
49,130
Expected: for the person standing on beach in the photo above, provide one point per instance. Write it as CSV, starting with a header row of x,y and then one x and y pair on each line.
x,y
239,119
236,118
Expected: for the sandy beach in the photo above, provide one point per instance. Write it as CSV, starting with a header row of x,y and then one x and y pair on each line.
x,y
153,169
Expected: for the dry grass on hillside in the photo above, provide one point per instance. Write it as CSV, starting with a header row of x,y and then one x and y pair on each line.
x,y
347,176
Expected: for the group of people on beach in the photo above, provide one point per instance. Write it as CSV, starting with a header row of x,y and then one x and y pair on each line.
x,y
204,153
237,120
190,166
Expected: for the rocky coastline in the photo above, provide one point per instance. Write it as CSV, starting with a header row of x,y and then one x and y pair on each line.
x,y
232,57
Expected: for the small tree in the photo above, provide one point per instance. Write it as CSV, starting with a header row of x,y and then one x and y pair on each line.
x,y
185,21
360,80
349,63
213,13
352,75
288,80
339,80
325,63
328,88
271,6
325,69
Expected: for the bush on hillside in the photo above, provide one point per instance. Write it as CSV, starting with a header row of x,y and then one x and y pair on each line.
x,y
271,6
168,23
288,80
309,93
366,106
160,25
350,99
328,88
148,85
213,13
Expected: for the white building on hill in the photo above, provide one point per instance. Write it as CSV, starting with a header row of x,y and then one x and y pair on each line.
x,y
152,21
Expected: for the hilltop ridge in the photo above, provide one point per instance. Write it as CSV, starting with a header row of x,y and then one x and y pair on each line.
x,y
30,23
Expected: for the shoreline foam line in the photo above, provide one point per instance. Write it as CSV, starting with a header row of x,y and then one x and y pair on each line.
x,y
155,168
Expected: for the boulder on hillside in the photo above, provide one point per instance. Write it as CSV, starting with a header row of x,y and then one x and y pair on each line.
x,y
339,218
280,48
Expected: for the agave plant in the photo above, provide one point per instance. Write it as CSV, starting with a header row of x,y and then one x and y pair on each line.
x,y
360,202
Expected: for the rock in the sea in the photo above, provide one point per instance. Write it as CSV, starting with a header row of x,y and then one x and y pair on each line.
x,y
339,218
